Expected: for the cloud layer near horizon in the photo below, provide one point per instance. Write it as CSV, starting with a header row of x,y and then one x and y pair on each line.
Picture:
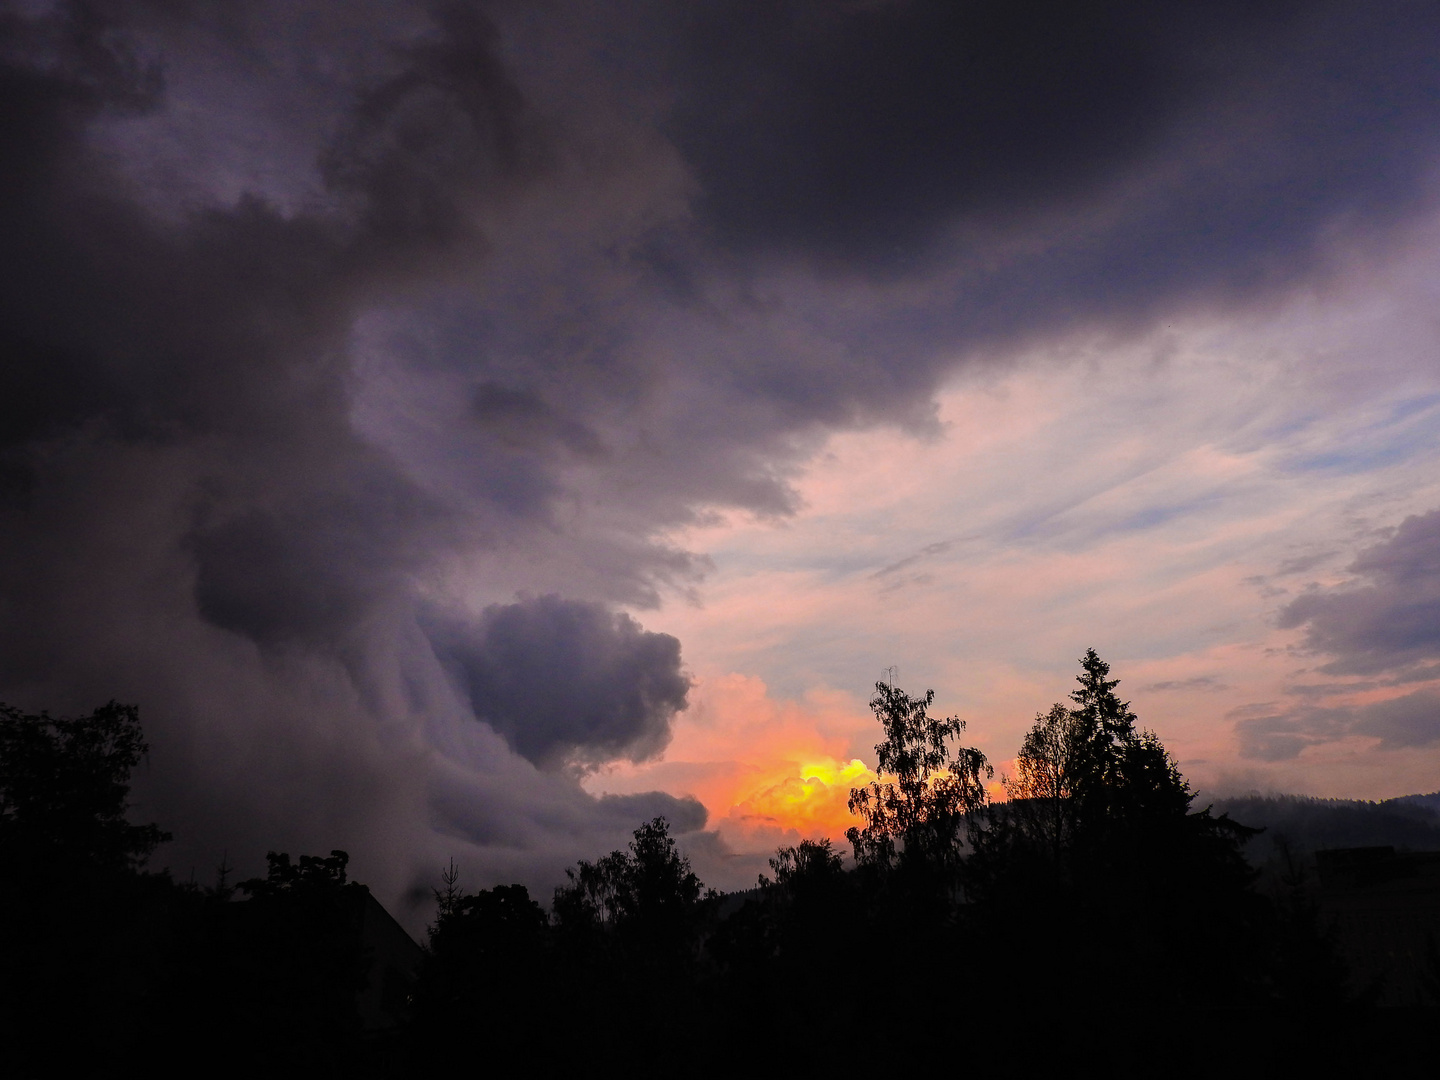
x,y
319,320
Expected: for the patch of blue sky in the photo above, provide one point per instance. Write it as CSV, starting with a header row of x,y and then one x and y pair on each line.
x,y
1046,518
1151,517
1270,434
1038,525
1403,410
1410,429
1076,528
1351,462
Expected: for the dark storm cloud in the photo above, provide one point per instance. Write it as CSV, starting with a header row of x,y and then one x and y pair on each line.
x,y
963,175
164,331
565,680
1211,142
1412,720
310,570
444,132
231,325
1392,622
315,316
861,127
522,419
189,517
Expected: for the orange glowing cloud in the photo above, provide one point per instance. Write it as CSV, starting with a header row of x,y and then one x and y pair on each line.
x,y
770,771
812,800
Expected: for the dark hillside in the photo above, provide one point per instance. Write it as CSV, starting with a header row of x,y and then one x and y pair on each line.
x,y
1306,824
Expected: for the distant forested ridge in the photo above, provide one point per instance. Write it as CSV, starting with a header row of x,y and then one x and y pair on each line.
x,y
1098,916
1308,824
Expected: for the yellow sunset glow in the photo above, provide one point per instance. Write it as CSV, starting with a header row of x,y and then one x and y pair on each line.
x,y
812,799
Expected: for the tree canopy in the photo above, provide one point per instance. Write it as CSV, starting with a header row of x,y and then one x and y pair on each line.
x,y
1086,768
917,817
649,886
311,874
65,788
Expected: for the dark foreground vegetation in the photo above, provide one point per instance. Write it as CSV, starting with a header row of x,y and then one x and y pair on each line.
x,y
1095,920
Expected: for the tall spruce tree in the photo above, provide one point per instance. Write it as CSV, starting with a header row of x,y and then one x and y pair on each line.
x,y
1087,769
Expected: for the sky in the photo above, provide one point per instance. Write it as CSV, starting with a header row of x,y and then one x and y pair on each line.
x,y
468,430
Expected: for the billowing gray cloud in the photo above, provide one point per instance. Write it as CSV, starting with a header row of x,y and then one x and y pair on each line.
x,y
684,814
567,681
1412,720
1392,622
191,514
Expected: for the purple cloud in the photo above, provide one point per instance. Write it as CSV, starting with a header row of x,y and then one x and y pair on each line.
x,y
1391,623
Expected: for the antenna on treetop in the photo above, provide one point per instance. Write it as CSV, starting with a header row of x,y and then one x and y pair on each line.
x,y
447,900
222,877
889,675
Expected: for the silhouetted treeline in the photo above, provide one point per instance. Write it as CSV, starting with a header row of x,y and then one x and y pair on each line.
x,y
104,962
1094,920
